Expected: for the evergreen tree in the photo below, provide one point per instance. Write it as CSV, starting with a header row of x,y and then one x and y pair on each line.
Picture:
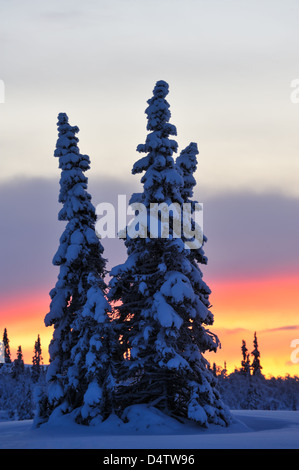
x,y
7,356
79,254
186,164
37,360
18,364
245,369
24,403
93,372
164,301
223,373
256,365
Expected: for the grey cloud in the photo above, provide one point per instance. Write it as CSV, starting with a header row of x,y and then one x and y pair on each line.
x,y
248,234
281,328
30,231
251,234
60,16
233,331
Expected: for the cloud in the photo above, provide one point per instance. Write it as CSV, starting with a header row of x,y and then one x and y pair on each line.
x,y
232,331
30,231
251,234
225,96
248,234
280,328
61,16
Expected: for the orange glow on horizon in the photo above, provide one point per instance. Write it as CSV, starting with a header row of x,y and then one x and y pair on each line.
x,y
236,303
23,317
268,306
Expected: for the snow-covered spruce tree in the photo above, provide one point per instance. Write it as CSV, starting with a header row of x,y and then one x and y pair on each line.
x,y
18,364
78,256
22,399
93,370
186,164
163,309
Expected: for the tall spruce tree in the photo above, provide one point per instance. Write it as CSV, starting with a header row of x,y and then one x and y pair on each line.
x,y
245,363
256,364
79,255
37,360
164,301
7,355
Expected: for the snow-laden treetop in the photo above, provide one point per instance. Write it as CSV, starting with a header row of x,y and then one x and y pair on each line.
x,y
161,181
158,110
73,183
186,164
66,146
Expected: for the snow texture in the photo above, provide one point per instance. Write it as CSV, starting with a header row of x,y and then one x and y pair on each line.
x,y
148,428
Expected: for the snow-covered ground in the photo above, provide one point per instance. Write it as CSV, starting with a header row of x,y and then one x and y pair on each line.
x,y
148,429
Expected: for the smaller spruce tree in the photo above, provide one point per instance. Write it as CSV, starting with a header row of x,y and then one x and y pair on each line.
x,y
245,369
256,365
18,364
7,356
37,360
223,373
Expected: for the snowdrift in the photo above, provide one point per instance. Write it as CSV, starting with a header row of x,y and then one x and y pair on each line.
x,y
148,428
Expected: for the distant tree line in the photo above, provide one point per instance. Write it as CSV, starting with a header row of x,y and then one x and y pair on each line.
x,y
245,388
19,382
248,388
18,363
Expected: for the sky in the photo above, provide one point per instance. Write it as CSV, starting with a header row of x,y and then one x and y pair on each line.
x,y
229,66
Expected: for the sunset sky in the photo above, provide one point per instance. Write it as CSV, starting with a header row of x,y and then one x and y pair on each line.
x,y
229,66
